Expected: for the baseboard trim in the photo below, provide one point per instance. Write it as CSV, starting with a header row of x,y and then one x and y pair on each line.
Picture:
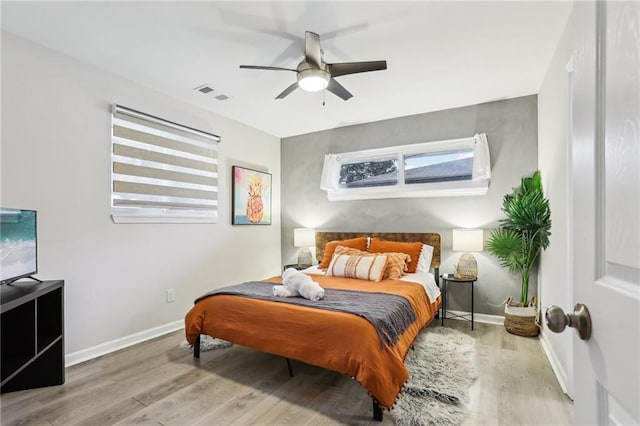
x,y
556,366
121,343
485,318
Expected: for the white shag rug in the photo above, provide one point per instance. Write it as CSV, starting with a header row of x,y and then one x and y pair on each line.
x,y
208,343
442,367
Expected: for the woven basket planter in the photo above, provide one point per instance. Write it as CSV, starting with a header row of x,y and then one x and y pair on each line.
x,y
521,320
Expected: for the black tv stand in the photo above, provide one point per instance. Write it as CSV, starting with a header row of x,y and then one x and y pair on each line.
x,y
32,339
30,277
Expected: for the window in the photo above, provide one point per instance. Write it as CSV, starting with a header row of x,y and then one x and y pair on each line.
x,y
369,173
161,171
442,168
439,166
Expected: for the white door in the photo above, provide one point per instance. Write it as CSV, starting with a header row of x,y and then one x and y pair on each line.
x,y
606,209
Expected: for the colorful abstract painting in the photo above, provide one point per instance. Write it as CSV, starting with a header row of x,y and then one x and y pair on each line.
x,y
251,197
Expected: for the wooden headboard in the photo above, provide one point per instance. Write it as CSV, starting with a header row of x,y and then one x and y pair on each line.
x,y
322,238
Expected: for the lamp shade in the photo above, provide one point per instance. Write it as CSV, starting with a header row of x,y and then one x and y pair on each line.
x,y
467,240
304,237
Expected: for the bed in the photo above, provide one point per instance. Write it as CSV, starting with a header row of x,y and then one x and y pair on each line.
x,y
338,341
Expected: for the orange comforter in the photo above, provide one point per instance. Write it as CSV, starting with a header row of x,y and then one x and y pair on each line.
x,y
337,341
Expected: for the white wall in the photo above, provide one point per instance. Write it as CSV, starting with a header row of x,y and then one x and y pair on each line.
x,y
56,159
553,157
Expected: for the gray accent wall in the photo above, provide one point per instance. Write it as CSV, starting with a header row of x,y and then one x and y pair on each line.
x,y
511,128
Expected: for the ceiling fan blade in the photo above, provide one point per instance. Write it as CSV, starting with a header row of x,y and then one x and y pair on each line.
x,y
339,90
287,91
345,68
312,48
258,67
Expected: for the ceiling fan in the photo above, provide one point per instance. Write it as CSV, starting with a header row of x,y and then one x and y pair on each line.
x,y
314,74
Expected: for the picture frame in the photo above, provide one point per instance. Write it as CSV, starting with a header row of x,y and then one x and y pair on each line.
x,y
251,197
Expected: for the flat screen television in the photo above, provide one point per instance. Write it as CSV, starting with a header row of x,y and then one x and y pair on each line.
x,y
18,244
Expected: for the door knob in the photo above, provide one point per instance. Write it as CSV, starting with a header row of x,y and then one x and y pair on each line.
x,y
580,319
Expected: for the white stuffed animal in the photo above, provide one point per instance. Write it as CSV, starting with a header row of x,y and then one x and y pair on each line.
x,y
296,281
282,291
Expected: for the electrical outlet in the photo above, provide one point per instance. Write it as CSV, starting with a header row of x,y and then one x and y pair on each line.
x,y
171,295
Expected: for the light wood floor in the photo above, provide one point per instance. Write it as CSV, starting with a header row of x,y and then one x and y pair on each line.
x,y
159,383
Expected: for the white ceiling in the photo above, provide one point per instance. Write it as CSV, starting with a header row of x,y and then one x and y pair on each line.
x,y
440,54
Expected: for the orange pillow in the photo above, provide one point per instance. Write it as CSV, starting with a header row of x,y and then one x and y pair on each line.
x,y
396,265
396,262
353,251
412,249
359,243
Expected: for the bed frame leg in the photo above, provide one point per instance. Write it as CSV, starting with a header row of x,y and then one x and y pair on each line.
x,y
289,367
196,347
377,411
437,276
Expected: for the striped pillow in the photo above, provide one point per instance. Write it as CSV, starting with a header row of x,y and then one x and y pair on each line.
x,y
370,268
359,243
396,262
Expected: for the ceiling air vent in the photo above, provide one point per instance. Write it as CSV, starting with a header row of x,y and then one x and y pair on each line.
x,y
205,88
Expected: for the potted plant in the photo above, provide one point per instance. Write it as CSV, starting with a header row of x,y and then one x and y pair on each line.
x,y
522,235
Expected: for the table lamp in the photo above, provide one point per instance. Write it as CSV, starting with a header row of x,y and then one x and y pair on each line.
x,y
467,240
304,238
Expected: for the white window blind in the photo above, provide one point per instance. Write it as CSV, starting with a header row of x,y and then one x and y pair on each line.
x,y
456,167
161,171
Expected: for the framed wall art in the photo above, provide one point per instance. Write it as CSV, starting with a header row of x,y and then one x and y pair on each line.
x,y
251,194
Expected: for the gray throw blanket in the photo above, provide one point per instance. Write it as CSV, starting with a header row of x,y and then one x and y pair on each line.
x,y
389,314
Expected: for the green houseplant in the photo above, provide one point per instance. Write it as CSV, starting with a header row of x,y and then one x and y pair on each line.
x,y
524,232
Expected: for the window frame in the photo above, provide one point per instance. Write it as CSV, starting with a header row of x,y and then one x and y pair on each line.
x,y
477,185
141,207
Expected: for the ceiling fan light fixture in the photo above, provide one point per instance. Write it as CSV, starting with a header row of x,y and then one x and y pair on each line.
x,y
314,74
313,80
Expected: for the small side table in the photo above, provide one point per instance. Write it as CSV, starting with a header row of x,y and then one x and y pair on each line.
x,y
449,278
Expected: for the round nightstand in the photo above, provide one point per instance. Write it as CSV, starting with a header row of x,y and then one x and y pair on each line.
x,y
449,278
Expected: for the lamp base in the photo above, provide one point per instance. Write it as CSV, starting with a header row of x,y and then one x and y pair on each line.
x,y
304,257
467,268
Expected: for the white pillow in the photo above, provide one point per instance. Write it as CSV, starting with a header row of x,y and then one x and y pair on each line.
x,y
313,270
424,261
370,268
